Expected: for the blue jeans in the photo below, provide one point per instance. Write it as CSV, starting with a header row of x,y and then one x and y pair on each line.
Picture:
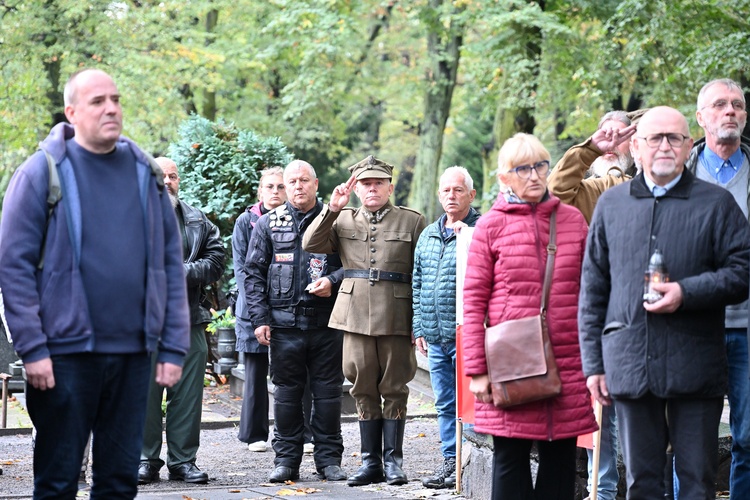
x,y
442,362
739,412
103,393
608,476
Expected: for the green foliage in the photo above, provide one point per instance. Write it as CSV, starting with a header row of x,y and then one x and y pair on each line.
x,y
337,80
220,320
220,165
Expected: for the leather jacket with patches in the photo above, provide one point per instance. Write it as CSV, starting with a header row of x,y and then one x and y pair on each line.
x,y
279,271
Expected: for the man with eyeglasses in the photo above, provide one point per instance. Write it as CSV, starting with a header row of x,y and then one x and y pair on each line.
x,y
723,158
663,364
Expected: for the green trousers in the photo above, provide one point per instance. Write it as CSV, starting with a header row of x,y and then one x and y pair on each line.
x,y
183,410
379,369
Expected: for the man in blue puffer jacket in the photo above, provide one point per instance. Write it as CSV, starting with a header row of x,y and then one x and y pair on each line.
x,y
111,290
434,298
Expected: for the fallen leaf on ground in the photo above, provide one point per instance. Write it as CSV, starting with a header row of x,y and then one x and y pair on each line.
x,y
286,492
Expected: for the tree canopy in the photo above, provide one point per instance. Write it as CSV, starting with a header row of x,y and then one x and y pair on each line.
x,y
337,80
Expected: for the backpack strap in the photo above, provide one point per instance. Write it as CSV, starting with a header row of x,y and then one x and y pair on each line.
x,y
54,195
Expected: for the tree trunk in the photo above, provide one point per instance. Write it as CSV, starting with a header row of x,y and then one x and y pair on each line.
x,y
443,48
209,96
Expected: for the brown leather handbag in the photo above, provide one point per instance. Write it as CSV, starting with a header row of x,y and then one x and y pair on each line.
x,y
520,361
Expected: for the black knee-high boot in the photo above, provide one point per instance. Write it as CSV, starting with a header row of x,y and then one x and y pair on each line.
x,y
393,451
370,434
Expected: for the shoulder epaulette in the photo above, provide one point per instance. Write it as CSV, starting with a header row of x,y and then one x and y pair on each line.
x,y
410,210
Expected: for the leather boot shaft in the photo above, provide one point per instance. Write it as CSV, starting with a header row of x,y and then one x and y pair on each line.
x,y
371,471
393,451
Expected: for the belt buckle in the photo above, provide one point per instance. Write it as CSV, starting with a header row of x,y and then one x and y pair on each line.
x,y
374,274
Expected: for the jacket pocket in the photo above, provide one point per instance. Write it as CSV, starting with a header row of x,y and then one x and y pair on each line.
x,y
399,247
624,356
344,297
354,244
68,319
281,279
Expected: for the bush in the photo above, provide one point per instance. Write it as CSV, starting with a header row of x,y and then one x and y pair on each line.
x,y
220,165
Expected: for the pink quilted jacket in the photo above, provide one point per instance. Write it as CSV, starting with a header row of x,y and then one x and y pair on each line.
x,y
503,282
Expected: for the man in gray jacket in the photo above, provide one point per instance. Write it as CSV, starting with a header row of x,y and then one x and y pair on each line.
x,y
723,158
663,363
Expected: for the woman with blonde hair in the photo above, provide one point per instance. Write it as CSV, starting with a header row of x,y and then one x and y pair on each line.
x,y
508,256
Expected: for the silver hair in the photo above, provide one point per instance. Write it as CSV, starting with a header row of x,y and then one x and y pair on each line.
x,y
617,115
455,169
299,164
727,82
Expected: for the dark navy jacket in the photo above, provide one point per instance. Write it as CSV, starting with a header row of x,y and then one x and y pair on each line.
x,y
46,311
705,240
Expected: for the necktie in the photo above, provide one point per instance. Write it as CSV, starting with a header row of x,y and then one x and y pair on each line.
x,y
726,172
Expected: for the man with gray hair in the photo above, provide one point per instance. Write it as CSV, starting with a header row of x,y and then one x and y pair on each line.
x,y
606,152
723,158
290,295
434,304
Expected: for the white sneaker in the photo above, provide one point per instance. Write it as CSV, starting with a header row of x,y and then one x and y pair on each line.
x,y
308,448
258,446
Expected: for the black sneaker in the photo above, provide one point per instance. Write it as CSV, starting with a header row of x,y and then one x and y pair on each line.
x,y
444,477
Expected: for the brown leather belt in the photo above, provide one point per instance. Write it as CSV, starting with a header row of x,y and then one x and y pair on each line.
x,y
374,274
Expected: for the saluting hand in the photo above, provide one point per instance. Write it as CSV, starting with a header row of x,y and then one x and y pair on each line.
x,y
341,194
607,139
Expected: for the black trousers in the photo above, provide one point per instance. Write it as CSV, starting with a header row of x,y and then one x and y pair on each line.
x,y
254,416
648,423
295,355
511,469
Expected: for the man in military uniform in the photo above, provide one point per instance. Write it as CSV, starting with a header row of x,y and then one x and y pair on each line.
x,y
374,309
289,299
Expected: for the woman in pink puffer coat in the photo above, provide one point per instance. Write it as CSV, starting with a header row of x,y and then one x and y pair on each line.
x,y
508,254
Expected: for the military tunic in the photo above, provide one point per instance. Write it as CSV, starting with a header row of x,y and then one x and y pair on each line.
x,y
376,315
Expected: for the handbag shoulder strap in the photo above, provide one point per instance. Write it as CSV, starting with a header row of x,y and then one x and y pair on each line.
x,y
551,251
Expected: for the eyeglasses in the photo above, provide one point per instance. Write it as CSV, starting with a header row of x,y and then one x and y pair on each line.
x,y
721,104
655,140
524,171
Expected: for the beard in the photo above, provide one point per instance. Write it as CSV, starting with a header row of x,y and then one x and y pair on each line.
x,y
174,200
602,165
663,168
729,135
